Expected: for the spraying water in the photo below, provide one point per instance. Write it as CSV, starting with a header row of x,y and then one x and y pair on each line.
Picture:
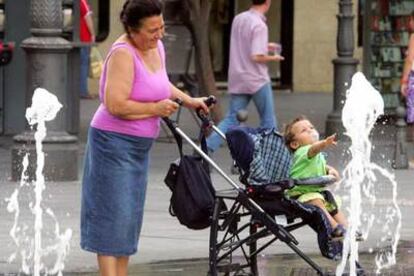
x,y
364,180
44,108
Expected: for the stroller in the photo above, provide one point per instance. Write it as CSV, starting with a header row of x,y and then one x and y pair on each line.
x,y
258,211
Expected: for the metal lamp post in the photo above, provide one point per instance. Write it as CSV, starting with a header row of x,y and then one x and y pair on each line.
x,y
47,63
344,66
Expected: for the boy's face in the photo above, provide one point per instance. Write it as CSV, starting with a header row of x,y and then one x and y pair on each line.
x,y
304,133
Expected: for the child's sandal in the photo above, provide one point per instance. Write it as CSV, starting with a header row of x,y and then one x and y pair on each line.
x,y
359,237
338,233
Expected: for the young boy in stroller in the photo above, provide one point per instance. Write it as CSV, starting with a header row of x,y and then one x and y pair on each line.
x,y
302,139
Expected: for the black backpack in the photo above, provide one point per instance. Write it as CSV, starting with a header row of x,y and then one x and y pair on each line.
x,y
192,199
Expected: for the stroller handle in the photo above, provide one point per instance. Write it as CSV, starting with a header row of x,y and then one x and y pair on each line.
x,y
210,100
203,117
178,101
200,113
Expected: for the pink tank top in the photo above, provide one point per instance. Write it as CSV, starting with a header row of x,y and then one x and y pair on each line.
x,y
146,87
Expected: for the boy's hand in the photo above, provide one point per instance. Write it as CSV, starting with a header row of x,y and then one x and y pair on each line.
x,y
330,141
332,171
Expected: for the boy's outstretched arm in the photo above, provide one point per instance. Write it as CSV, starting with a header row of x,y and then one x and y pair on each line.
x,y
319,146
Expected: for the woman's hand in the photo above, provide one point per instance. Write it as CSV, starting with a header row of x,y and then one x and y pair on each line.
x,y
197,103
190,102
165,108
404,90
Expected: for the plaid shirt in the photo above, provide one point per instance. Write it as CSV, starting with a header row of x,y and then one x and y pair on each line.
x,y
272,159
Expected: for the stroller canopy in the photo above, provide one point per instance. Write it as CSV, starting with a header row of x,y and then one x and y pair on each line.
x,y
260,153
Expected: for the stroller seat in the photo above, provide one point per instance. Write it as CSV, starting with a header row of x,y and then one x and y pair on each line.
x,y
264,164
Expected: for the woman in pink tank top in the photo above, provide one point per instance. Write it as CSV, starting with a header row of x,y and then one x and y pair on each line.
x,y
134,93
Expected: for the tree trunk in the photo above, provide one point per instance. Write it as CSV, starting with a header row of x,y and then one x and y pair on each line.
x,y
197,13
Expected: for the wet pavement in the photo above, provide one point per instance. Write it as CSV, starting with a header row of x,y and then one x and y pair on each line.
x,y
276,265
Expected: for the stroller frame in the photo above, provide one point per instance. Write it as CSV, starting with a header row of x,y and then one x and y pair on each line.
x,y
226,221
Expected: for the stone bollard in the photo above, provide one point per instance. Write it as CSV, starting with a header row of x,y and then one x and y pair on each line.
x,y
47,65
400,153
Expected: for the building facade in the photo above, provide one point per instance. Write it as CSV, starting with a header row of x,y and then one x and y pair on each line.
x,y
307,30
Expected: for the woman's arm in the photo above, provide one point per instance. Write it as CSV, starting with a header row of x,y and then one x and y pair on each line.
x,y
86,13
89,24
119,79
407,66
188,101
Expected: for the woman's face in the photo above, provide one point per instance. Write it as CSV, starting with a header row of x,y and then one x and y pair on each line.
x,y
151,30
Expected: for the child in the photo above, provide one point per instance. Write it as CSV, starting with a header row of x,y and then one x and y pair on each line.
x,y
302,139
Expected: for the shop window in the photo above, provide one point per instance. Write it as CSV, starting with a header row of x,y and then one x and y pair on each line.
x,y
389,32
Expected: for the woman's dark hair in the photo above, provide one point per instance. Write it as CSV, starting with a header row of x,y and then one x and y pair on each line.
x,y
258,2
134,11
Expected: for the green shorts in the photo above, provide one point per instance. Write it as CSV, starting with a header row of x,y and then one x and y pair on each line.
x,y
330,206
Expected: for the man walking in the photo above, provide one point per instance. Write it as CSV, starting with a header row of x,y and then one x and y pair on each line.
x,y
87,36
248,76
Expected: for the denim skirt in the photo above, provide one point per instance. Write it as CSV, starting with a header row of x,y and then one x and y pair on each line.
x,y
113,192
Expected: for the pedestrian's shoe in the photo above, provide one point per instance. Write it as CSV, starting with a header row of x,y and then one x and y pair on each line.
x,y
234,169
411,164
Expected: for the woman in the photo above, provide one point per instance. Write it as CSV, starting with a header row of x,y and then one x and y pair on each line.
x,y
87,36
407,82
407,78
134,92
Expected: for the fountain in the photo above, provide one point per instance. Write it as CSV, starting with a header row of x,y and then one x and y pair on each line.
x,y
363,179
27,239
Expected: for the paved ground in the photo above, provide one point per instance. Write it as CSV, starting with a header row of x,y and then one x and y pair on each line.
x,y
167,248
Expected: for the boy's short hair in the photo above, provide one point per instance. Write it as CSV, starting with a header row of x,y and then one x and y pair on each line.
x,y
287,133
258,2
